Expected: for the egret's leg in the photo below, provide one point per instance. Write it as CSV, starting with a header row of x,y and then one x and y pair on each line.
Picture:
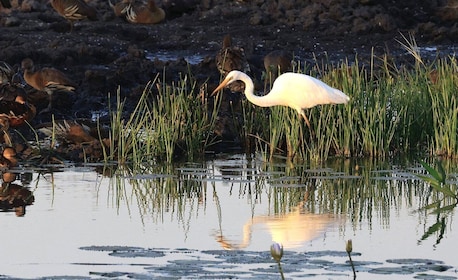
x,y
312,132
305,118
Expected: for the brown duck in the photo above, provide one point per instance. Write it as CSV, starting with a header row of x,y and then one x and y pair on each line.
x,y
73,10
49,80
16,113
144,14
8,158
14,110
231,58
120,8
277,62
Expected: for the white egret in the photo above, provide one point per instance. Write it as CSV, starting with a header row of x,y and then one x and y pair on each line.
x,y
298,91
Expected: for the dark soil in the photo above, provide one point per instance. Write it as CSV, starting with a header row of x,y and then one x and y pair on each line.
x,y
109,54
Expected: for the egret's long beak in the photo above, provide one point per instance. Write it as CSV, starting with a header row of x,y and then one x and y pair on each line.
x,y
222,85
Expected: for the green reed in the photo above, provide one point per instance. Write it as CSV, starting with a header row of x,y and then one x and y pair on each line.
x,y
126,141
169,121
443,90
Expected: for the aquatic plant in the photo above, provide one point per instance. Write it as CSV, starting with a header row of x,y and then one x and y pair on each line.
x,y
276,251
444,199
442,90
349,249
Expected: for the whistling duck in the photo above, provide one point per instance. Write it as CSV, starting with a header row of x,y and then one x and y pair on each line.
x,y
74,10
144,14
231,58
8,158
8,177
120,8
14,110
46,79
5,3
277,62
79,140
68,131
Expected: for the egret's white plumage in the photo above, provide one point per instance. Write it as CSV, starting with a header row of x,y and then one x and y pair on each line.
x,y
294,90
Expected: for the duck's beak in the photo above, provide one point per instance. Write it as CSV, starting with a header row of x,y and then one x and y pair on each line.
x,y
222,85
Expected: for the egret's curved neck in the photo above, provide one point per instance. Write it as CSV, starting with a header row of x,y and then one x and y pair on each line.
x,y
262,101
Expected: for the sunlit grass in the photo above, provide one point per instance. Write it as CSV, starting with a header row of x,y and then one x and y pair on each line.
x,y
168,123
443,90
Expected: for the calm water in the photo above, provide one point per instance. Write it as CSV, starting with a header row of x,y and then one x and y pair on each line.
x,y
199,217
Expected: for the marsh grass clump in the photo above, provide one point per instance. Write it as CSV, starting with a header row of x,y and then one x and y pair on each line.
x,y
443,90
169,121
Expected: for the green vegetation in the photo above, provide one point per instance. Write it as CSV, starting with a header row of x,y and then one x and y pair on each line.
x,y
443,198
394,109
276,251
169,121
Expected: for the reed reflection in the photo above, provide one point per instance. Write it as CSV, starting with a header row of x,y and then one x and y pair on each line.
x,y
293,205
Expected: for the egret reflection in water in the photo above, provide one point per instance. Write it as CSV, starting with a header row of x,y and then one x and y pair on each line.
x,y
291,230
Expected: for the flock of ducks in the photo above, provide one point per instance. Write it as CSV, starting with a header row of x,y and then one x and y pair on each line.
x,y
16,111
133,11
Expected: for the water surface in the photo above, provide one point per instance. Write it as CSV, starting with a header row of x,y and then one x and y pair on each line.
x,y
218,219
